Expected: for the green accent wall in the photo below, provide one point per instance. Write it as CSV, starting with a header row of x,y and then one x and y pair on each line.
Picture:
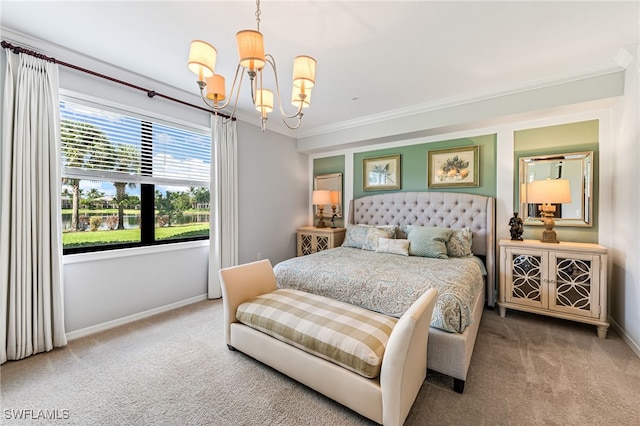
x,y
327,165
413,166
560,139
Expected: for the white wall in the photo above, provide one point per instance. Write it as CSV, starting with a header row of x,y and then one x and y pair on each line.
x,y
105,289
625,200
273,199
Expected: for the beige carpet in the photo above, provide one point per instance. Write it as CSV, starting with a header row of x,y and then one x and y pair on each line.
x,y
174,369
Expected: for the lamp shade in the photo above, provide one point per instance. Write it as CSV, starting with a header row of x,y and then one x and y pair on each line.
x,y
335,197
321,197
304,72
251,49
202,59
300,97
264,100
549,191
215,88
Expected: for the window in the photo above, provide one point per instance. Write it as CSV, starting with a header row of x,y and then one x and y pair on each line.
x,y
130,180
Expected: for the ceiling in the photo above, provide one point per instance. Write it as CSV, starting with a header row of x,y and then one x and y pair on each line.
x,y
373,57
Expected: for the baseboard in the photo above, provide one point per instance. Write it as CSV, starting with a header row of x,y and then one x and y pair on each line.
x,y
125,320
627,339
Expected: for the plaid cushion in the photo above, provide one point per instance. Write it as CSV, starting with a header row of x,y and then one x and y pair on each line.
x,y
352,337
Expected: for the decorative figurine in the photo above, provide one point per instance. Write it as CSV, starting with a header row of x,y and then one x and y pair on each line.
x,y
516,227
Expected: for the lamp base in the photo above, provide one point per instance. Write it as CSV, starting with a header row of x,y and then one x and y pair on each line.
x,y
549,235
321,223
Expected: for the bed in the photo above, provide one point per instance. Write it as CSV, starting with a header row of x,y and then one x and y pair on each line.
x,y
389,283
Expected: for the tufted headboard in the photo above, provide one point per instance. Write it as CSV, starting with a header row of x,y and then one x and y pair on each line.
x,y
442,209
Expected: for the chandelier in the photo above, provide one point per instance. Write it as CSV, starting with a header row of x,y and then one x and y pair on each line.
x,y
202,60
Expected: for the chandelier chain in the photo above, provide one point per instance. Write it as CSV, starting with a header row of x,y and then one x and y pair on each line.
x,y
258,14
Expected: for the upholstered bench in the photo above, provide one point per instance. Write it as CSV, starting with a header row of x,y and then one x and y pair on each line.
x,y
344,334
369,362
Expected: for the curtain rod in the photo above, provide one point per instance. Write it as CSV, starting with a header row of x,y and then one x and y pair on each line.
x,y
150,93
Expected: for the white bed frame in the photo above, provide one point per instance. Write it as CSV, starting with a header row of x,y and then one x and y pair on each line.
x,y
448,353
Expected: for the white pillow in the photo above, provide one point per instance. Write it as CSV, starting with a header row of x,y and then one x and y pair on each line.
x,y
374,234
393,246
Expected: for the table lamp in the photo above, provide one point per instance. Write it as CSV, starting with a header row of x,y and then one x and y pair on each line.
x,y
335,200
548,192
321,198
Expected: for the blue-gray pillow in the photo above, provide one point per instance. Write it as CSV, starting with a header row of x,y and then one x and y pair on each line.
x,y
428,241
355,236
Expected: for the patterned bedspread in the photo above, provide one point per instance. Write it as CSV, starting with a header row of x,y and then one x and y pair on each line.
x,y
388,283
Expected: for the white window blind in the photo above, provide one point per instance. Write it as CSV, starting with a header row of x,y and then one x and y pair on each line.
x,y
103,144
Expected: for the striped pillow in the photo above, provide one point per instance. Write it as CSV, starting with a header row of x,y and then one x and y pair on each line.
x,y
349,336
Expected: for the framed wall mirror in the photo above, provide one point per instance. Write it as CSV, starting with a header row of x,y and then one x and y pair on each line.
x,y
331,182
577,168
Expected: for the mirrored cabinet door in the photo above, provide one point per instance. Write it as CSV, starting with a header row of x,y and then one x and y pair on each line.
x,y
566,280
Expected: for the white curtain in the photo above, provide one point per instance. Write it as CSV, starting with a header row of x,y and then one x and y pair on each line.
x,y
30,220
223,251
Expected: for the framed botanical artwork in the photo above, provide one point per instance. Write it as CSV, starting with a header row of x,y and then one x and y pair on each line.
x,y
453,167
381,173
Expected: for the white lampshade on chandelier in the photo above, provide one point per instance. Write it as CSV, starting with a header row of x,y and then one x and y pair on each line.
x,y
202,61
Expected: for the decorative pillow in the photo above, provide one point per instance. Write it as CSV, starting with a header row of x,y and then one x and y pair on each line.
x,y
374,234
393,246
428,241
356,235
459,245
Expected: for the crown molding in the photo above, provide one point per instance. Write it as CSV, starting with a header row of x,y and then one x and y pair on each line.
x,y
608,67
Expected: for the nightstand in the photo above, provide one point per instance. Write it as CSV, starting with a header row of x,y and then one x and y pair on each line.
x,y
565,280
312,239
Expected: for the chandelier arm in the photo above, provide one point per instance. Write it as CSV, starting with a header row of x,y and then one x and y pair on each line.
x,y
202,85
290,126
205,99
237,95
297,114
254,83
271,60
233,86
